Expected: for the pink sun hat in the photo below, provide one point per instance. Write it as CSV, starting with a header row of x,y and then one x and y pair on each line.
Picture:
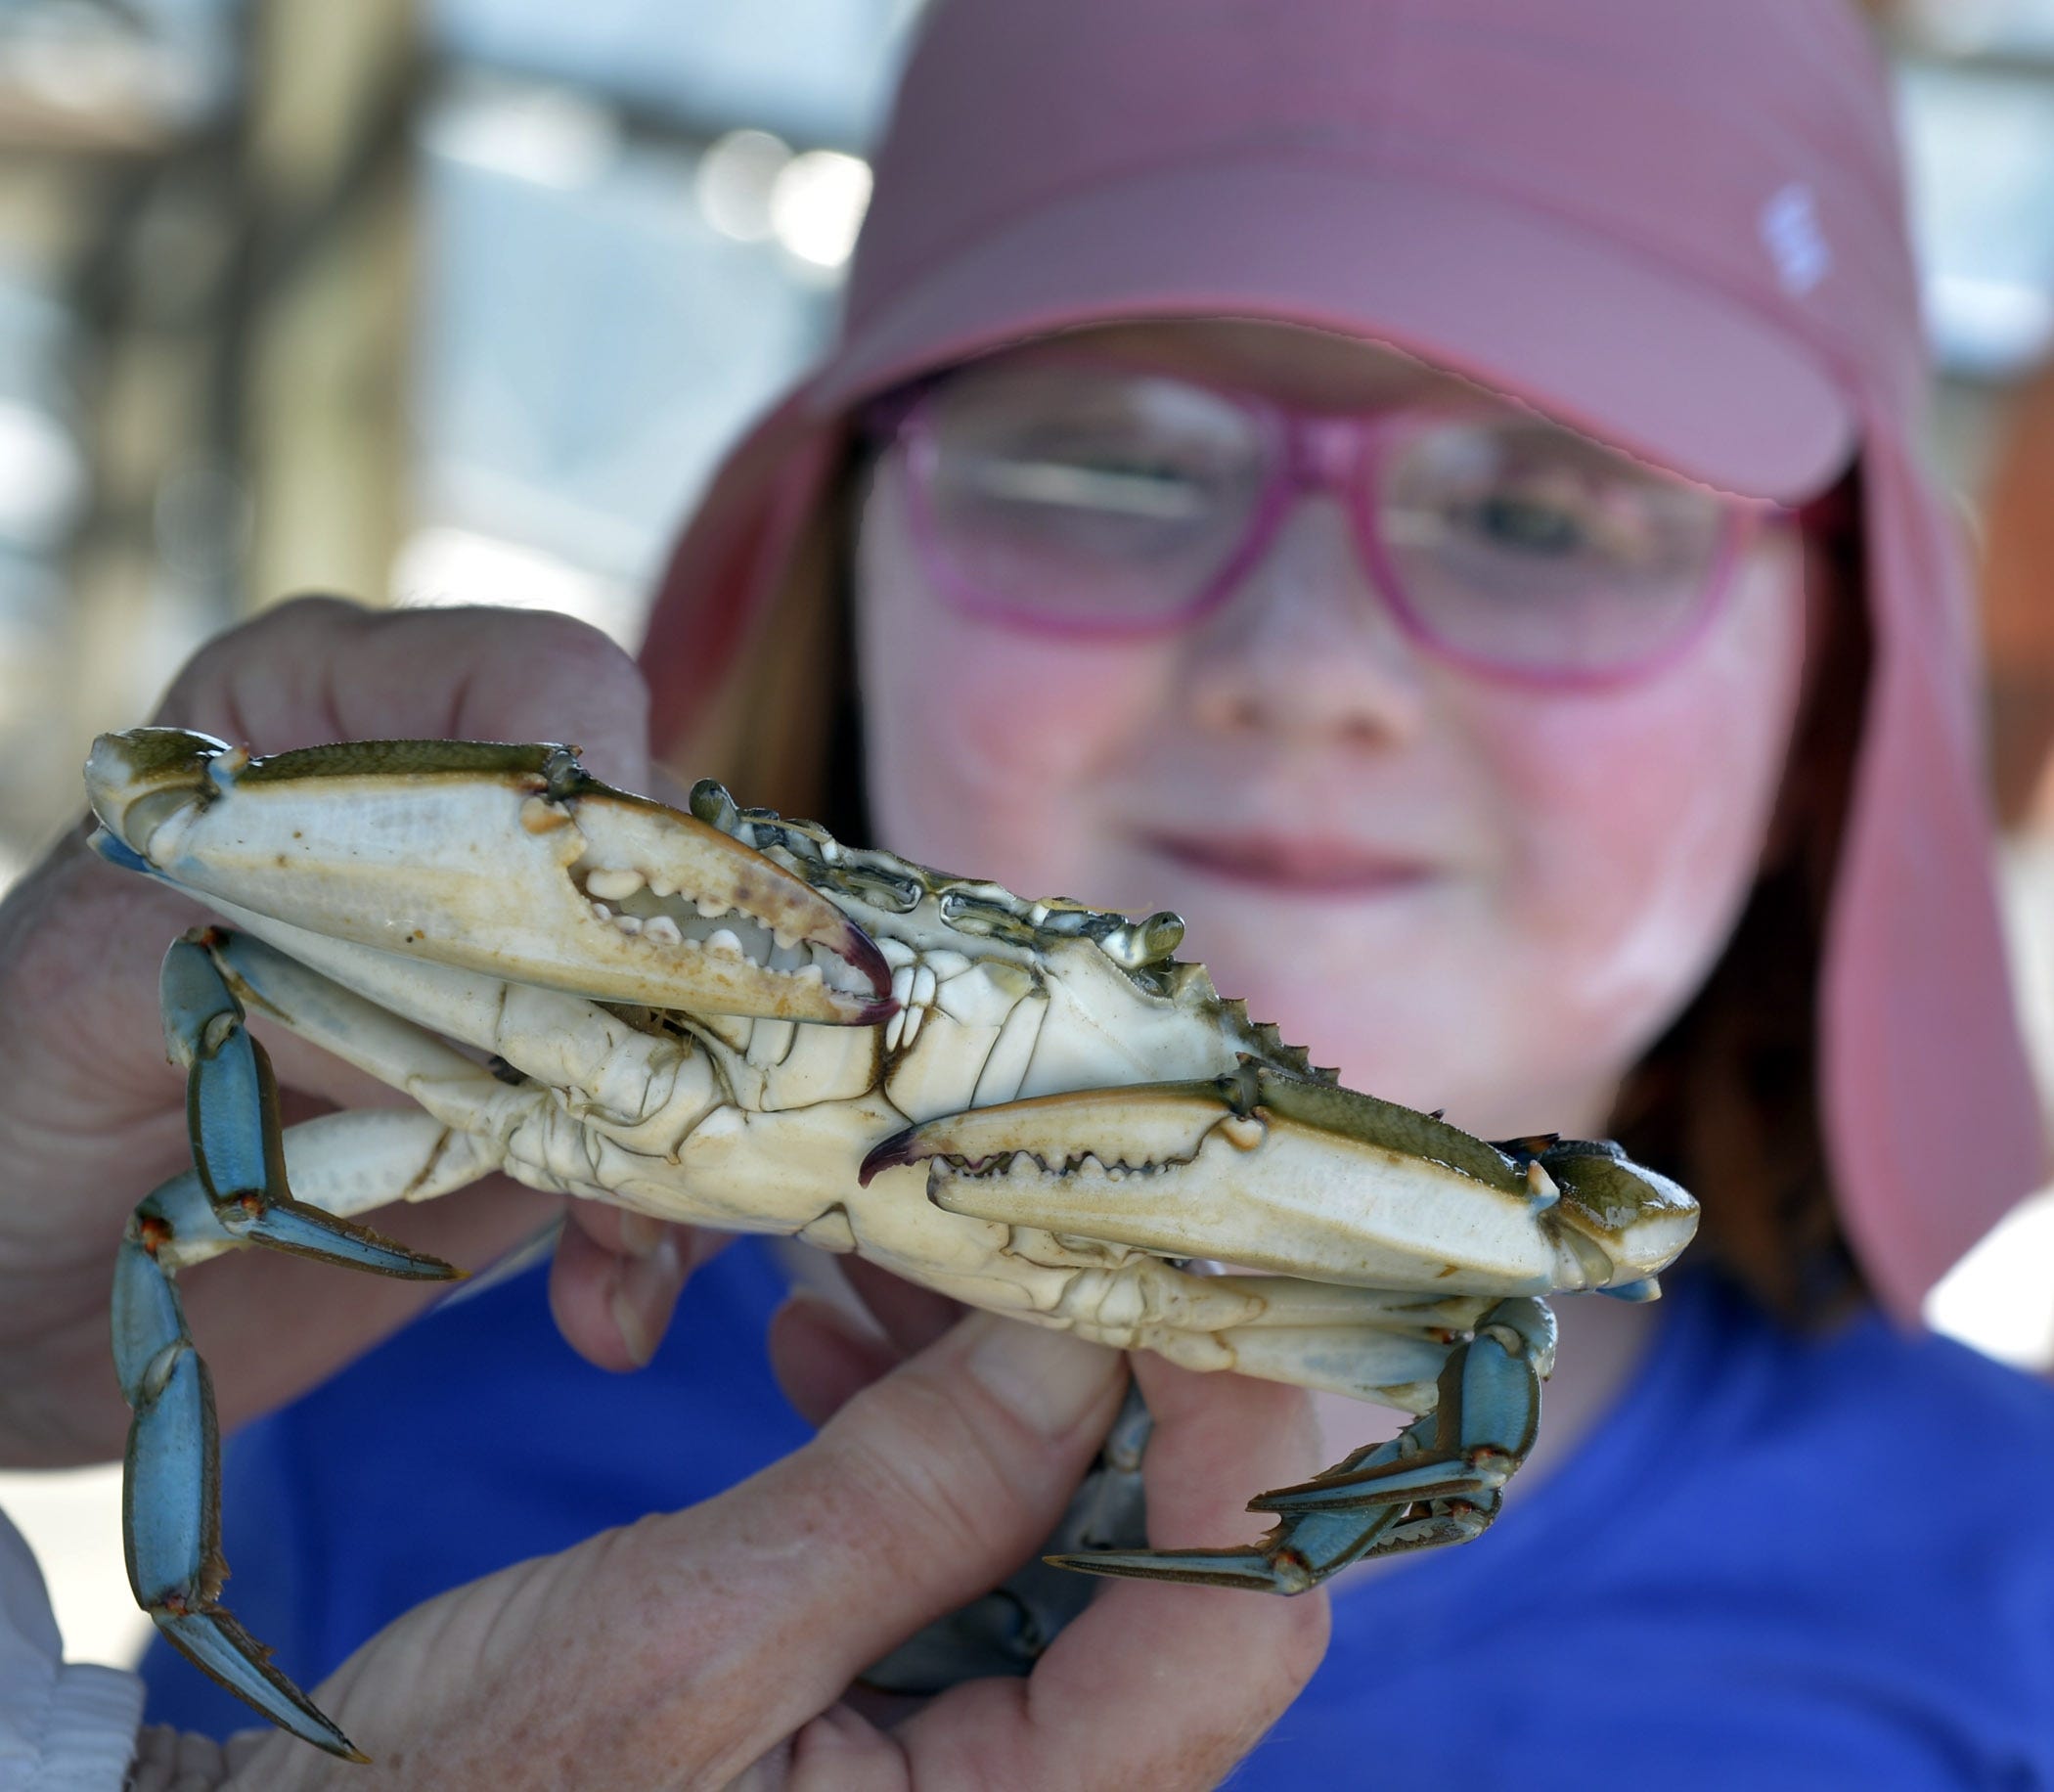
x,y
1679,227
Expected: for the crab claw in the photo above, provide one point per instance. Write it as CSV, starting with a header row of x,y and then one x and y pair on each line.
x,y
1619,1214
509,860
1278,1172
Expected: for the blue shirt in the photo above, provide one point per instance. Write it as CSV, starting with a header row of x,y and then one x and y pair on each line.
x,y
1776,1563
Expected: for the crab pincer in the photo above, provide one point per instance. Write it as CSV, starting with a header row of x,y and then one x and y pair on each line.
x,y
1267,1169
508,860
1275,1171
472,859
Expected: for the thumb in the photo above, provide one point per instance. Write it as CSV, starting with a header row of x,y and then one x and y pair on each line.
x,y
925,1490
684,1648
320,669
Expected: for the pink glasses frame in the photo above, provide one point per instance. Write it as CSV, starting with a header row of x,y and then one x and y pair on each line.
x,y
1311,452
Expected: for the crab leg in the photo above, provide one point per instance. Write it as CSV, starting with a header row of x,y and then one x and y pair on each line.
x,y
651,1090
1439,1480
345,1164
236,1192
232,1119
171,1482
1252,1168
375,1010
171,1501
1363,1342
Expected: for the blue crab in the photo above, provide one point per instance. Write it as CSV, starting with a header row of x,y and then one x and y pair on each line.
x,y
724,1017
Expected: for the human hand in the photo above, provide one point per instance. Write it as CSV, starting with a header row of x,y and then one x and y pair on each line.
x,y
715,1647
91,1118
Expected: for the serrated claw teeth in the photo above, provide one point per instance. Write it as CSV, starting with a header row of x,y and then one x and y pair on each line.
x,y
1244,1131
259,832
538,814
614,886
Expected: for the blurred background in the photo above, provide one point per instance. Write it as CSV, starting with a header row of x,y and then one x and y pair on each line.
x,y
433,301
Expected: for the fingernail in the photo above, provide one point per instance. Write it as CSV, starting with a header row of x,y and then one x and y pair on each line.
x,y
642,1302
1051,1378
832,1316
641,1234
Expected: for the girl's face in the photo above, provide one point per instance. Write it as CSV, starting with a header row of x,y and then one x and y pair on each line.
x,y
1465,892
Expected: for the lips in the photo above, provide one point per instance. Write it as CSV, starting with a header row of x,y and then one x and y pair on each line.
x,y
1303,863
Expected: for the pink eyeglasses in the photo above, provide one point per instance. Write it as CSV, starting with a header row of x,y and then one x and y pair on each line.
x,y
1093,499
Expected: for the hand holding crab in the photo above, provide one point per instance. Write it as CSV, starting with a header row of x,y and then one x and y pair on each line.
x,y
719,1017
83,1109
89,1117
647,1657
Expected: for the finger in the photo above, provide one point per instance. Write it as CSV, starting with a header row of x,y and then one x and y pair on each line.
x,y
912,1317
622,1232
80,947
614,1306
923,1491
1160,1685
682,1649
840,1751
824,1357
323,669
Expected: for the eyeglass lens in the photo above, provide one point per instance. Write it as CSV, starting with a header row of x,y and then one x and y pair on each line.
x,y
1084,497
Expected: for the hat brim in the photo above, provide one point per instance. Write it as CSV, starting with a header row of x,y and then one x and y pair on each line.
x,y
1610,342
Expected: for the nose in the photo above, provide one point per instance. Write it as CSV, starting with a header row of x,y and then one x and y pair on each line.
x,y
1307,650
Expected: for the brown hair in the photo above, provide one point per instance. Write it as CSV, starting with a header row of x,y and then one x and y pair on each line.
x,y
1726,1102
781,732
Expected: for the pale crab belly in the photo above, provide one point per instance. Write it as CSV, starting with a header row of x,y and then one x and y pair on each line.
x,y
984,1263
811,1195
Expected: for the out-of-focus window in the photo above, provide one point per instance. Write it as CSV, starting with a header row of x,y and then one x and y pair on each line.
x,y
426,300
1980,143
667,195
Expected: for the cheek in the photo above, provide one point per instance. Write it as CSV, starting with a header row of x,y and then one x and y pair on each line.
x,y
1633,820
986,745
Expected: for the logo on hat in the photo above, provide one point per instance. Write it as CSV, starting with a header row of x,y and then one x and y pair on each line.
x,y
1791,234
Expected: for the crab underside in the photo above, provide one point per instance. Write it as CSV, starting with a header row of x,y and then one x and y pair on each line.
x,y
732,1019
